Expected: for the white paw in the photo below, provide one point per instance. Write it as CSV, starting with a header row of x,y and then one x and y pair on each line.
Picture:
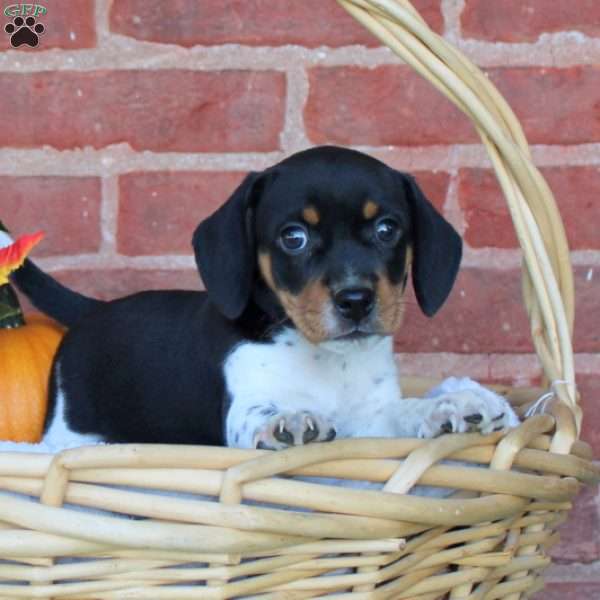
x,y
467,410
293,429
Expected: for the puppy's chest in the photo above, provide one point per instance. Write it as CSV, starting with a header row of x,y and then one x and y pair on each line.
x,y
291,374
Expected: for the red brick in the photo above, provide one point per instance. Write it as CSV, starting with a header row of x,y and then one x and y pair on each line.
x,y
166,110
576,192
526,20
580,535
488,221
572,590
115,283
434,186
555,106
587,292
484,314
388,105
108,284
69,25
66,208
589,390
392,105
158,212
307,23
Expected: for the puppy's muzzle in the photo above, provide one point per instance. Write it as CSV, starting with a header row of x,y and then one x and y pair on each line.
x,y
354,304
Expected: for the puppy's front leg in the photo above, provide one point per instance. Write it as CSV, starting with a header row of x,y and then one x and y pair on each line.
x,y
275,425
454,412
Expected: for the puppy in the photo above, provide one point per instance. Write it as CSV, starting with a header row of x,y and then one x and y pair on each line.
x,y
305,268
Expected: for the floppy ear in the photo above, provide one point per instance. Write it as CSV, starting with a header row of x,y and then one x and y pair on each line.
x,y
224,247
437,251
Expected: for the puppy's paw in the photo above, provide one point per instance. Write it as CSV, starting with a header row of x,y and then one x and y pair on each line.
x,y
293,429
467,410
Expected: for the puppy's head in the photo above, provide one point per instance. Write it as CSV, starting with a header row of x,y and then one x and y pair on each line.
x,y
332,233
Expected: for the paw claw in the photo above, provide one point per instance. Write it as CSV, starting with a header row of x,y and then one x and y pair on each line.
x,y
330,435
292,429
281,434
474,419
468,410
260,445
311,433
446,427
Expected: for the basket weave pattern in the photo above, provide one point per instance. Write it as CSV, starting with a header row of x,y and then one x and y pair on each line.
x,y
246,523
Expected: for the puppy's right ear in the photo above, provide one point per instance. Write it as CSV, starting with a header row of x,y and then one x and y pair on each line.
x,y
225,250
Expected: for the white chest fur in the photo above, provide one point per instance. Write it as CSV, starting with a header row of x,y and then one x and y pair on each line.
x,y
349,384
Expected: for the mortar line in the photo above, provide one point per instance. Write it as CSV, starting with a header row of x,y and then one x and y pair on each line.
x,y
117,159
102,19
452,209
109,213
293,137
117,52
451,11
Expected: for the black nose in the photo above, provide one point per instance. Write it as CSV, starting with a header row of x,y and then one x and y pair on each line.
x,y
354,303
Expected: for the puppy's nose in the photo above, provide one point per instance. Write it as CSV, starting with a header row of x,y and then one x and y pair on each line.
x,y
354,303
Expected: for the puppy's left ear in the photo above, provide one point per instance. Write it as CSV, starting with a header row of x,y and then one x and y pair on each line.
x,y
437,250
225,250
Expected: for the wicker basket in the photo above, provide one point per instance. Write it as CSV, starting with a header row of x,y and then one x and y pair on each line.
x,y
105,522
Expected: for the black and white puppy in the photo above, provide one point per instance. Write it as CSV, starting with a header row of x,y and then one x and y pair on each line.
x,y
305,268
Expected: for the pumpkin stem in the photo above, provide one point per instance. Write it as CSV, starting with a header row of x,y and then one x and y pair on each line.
x,y
11,315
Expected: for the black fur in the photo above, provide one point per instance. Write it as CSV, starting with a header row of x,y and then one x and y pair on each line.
x,y
149,367
51,297
146,368
225,250
438,251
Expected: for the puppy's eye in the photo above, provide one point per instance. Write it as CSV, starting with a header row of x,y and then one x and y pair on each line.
x,y
387,231
293,238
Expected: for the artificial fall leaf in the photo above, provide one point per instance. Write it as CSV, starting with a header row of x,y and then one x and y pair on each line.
x,y
12,256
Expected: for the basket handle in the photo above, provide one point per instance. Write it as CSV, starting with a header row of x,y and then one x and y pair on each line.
x,y
548,287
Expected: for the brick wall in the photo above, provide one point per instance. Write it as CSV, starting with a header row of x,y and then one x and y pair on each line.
x,y
134,119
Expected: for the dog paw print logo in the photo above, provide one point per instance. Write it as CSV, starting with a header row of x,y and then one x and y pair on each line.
x,y
24,31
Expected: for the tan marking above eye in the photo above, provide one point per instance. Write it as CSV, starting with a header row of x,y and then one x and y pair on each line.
x,y
311,215
370,209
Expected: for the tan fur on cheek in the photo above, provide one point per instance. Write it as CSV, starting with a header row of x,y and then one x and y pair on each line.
x,y
266,269
307,309
390,298
409,258
390,304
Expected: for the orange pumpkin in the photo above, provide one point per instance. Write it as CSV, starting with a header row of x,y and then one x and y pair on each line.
x,y
26,353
